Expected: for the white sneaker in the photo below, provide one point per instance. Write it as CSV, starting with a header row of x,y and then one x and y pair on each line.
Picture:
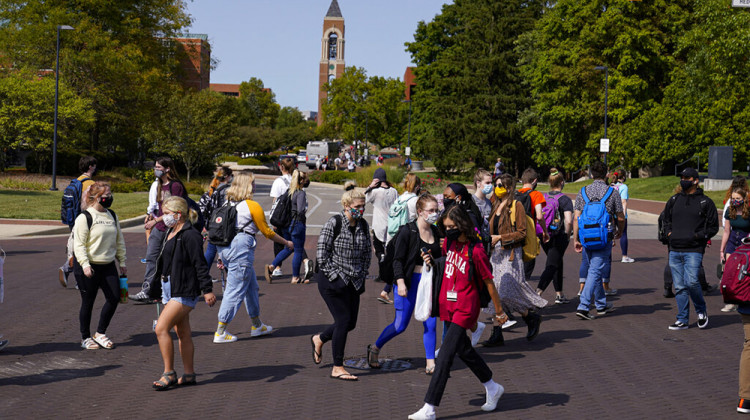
x,y
422,414
729,307
277,272
491,402
262,330
509,323
436,352
476,335
224,338
627,260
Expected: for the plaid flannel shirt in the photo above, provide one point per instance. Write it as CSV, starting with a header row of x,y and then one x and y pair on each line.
x,y
348,257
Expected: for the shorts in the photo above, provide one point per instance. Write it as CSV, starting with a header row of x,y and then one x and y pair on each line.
x,y
166,295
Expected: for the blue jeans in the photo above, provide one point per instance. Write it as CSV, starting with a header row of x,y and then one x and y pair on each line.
x,y
210,254
685,266
593,291
404,310
242,285
584,269
297,234
152,255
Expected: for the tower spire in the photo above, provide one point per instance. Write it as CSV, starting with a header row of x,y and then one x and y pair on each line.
x,y
334,10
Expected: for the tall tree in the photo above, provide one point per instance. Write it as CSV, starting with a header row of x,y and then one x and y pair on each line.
x,y
469,91
259,104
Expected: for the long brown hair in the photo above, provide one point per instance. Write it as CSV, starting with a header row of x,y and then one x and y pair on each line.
x,y
172,175
738,181
508,181
745,207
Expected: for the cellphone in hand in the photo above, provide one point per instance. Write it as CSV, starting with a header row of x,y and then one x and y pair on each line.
x,y
425,250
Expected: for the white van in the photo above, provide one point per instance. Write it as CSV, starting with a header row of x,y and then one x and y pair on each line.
x,y
316,150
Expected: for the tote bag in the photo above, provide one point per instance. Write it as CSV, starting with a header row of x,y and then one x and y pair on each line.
x,y
423,307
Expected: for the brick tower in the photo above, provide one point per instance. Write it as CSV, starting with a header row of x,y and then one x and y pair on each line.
x,y
332,54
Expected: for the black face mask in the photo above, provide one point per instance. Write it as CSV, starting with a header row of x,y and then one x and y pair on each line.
x,y
106,202
452,234
306,183
448,202
686,185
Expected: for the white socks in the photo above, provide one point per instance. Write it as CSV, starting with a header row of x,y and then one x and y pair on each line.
x,y
427,412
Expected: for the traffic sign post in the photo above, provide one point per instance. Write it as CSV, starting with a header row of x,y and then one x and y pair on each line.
x,y
604,148
740,3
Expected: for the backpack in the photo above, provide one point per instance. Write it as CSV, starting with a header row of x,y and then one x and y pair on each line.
x,y
593,223
281,214
200,223
484,293
209,202
735,282
222,226
71,201
525,199
531,243
390,249
553,217
398,215
90,218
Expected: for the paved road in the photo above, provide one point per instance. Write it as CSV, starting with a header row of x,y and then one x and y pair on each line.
x,y
625,365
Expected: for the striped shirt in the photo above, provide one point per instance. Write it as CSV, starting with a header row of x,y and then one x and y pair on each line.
x,y
348,257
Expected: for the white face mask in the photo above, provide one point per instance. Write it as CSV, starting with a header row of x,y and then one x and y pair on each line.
x,y
170,219
431,218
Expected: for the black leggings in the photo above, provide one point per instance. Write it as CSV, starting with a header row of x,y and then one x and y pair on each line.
x,y
553,270
105,278
455,342
380,255
344,306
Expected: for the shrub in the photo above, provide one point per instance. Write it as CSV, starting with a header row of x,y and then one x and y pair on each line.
x,y
227,158
193,187
250,161
394,174
330,177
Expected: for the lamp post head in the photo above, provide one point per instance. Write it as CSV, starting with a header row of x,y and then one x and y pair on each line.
x,y
600,68
65,28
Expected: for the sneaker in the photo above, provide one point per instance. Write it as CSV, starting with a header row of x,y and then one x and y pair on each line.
x,y
262,330
142,297
436,352
743,406
3,344
277,272
559,300
422,414
224,338
607,309
491,401
679,326
702,320
709,288
668,293
610,292
627,260
509,323
476,335
584,314
729,307
143,261
62,276
579,293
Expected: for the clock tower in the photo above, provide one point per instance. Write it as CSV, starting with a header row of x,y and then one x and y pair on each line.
x,y
332,54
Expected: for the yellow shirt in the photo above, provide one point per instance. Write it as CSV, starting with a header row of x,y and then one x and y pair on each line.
x,y
102,243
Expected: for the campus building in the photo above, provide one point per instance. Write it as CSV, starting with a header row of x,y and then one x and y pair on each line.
x,y
332,53
195,61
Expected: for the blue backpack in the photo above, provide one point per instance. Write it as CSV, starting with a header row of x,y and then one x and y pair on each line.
x,y
71,201
593,223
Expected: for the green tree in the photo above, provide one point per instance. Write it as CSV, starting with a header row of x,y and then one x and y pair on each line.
x,y
256,139
469,91
196,127
289,117
259,107
27,117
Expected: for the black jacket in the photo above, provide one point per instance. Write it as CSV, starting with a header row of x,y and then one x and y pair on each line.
x,y
189,273
406,251
690,220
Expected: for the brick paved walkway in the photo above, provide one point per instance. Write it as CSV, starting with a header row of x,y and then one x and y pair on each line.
x,y
625,365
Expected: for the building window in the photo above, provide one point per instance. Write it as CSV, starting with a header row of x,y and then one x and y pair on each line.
x,y
332,46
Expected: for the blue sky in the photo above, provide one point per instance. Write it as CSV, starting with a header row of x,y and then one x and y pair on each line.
x,y
279,41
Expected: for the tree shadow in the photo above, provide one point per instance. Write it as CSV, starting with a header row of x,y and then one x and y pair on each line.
x,y
56,375
723,320
42,348
273,373
11,253
149,339
300,331
515,401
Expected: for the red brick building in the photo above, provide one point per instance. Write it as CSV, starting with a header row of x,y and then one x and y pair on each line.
x,y
332,53
195,61
409,82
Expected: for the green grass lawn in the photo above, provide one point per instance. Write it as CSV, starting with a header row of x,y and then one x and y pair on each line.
x,y
45,205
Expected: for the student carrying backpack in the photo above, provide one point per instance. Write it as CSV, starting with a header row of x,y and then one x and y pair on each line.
x,y
71,201
222,226
398,214
553,217
594,221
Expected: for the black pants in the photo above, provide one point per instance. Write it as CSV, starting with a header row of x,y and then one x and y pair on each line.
x,y
380,255
106,278
553,270
344,306
455,343
528,268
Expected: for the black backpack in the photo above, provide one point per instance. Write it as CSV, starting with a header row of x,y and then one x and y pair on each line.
x,y
222,226
281,214
390,249
71,201
525,199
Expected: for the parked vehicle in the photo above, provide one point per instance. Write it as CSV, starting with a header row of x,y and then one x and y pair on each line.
x,y
318,149
278,161
302,156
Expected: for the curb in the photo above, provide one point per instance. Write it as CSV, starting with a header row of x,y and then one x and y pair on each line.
x,y
133,221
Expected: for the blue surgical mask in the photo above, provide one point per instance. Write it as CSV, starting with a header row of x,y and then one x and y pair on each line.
x,y
487,189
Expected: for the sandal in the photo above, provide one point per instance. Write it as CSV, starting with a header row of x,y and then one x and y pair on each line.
x,y
429,370
317,357
372,357
161,384
187,379
103,341
89,344
268,273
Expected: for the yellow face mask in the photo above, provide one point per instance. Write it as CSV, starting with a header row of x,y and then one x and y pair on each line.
x,y
500,192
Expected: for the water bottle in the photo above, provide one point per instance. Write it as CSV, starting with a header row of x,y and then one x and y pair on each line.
x,y
123,289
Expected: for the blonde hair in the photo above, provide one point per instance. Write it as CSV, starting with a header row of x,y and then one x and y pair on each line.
x,y
349,196
555,178
95,191
479,175
350,185
297,181
411,182
242,187
179,205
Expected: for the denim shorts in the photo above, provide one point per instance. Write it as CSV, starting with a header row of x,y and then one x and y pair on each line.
x,y
166,295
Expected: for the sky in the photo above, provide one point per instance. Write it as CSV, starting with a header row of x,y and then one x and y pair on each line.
x,y
279,41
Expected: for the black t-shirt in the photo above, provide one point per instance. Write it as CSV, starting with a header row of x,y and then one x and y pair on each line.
x,y
433,248
566,204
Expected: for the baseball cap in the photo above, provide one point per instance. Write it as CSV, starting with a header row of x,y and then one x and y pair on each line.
x,y
689,173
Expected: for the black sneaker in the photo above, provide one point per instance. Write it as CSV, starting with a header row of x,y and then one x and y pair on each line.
x,y
607,309
709,288
678,326
142,297
668,293
702,320
584,314
561,300
743,406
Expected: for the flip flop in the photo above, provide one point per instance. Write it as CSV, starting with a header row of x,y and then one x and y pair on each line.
x,y
342,378
381,299
317,357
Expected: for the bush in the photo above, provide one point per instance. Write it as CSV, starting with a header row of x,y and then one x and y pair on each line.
x,y
250,161
227,158
266,158
330,177
67,161
193,187
394,174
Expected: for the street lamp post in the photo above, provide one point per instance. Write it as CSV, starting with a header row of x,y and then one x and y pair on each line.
x,y
367,149
408,138
606,96
57,84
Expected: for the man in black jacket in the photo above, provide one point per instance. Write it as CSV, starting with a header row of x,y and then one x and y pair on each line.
x,y
690,220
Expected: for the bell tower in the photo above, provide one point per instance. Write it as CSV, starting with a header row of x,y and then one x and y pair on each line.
x,y
332,54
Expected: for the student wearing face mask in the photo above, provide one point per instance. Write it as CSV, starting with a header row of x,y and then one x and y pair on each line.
x,y
344,255
482,192
97,243
690,221
409,259
736,227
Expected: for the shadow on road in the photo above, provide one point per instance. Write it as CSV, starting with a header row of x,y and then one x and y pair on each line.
x,y
57,375
273,373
